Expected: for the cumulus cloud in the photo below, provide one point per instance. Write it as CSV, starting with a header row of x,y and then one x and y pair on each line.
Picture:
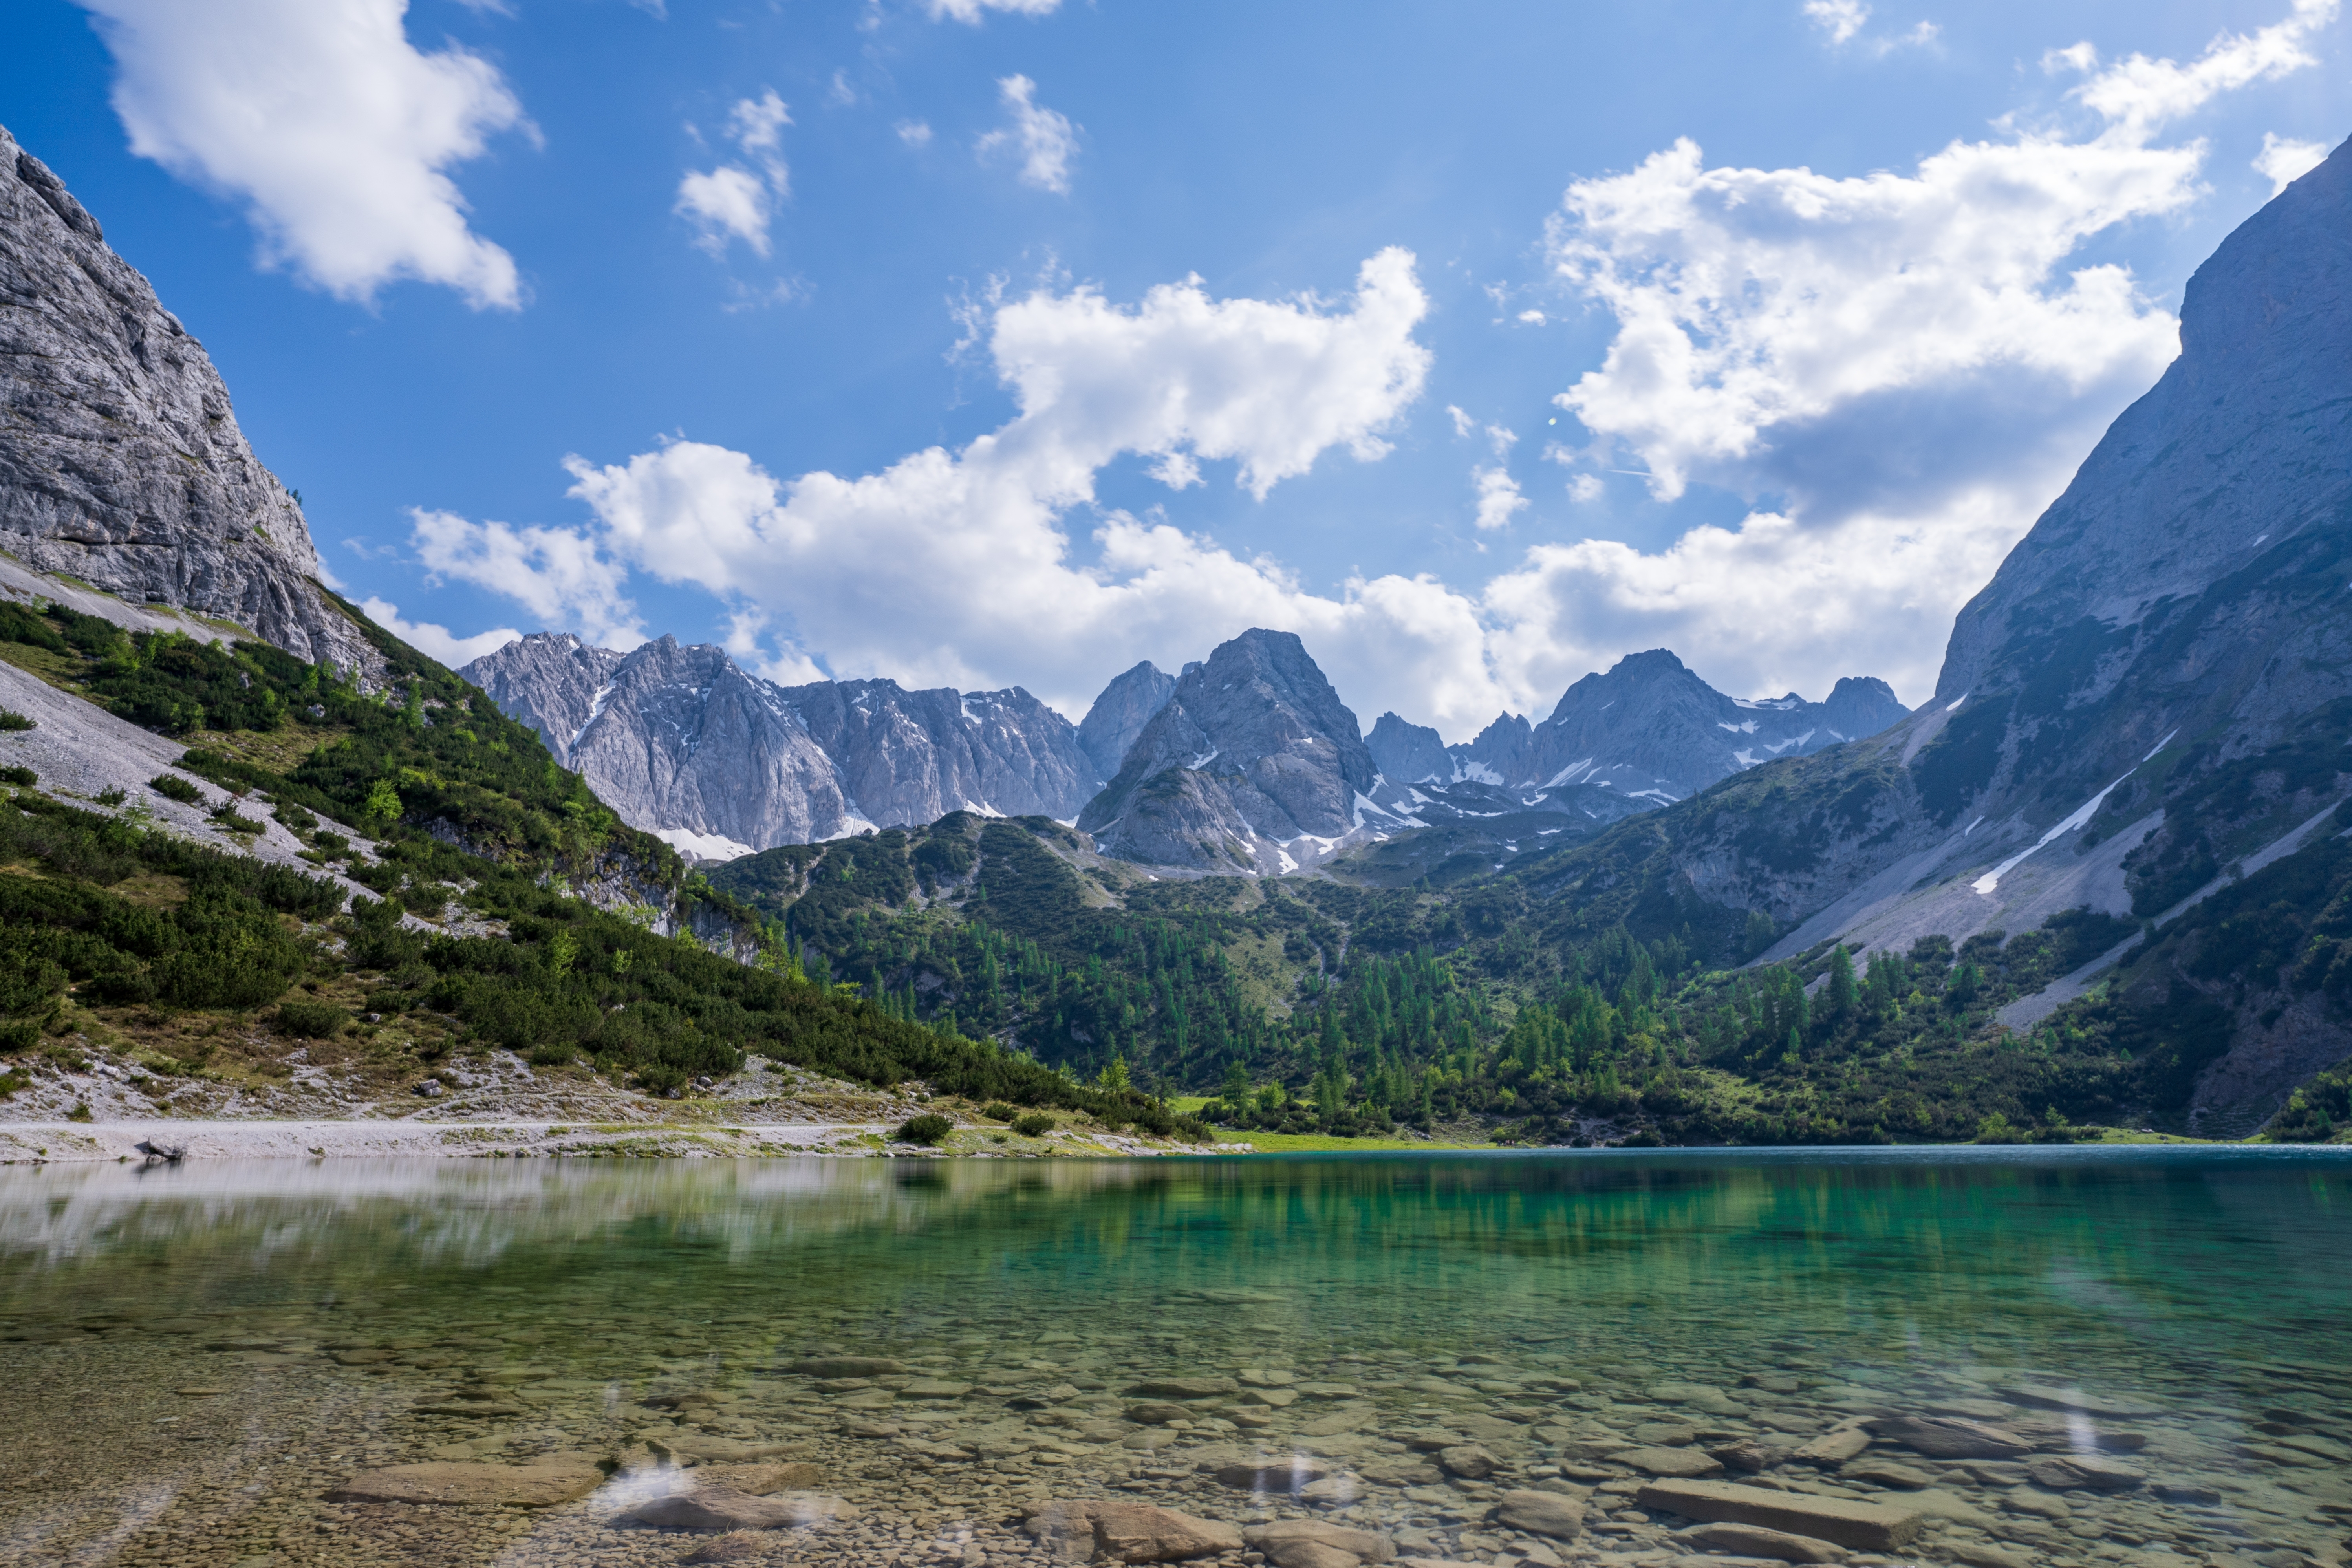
x,y
1044,140
557,575
914,133
336,132
958,567
1841,20
725,201
438,641
1910,364
973,11
2282,162
1498,496
730,200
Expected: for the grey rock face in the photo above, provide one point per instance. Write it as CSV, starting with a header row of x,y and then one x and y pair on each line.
x,y
682,743
121,461
679,740
1409,753
914,756
1253,753
1119,714
1652,731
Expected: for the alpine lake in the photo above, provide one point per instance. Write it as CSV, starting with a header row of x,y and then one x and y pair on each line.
x,y
1997,1358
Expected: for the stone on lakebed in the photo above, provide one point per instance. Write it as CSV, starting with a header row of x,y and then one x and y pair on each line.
x,y
1127,1531
1864,1526
724,1508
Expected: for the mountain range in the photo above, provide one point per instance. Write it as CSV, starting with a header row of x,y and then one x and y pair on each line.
x,y
1247,760
2106,871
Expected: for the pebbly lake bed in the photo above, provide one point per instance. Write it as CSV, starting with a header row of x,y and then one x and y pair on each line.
x,y
1998,1358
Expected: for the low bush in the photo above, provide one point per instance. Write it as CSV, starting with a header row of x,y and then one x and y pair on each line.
x,y
22,778
997,1110
1033,1126
171,787
929,1129
12,719
312,1020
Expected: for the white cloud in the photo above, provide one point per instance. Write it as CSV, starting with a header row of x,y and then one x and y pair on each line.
x,y
1044,140
553,573
1498,496
1532,318
840,93
1841,20
2136,95
1912,365
973,11
731,201
2282,162
435,641
1586,487
1501,439
914,133
726,200
958,567
328,124
1463,422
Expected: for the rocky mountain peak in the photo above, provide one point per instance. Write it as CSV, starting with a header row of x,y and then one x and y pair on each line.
x,y
1119,714
1408,753
1254,763
120,459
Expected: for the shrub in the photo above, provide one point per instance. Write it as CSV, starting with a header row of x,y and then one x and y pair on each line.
x,y
296,819
997,1110
1035,1125
22,778
12,719
226,815
312,1020
110,795
171,787
929,1129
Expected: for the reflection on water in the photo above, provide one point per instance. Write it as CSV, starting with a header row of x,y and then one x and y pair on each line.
x,y
198,1357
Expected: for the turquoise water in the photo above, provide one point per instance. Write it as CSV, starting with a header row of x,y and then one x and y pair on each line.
x,y
196,1356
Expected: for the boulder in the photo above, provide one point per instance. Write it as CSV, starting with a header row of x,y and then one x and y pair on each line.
x,y
759,1481
2085,1472
1755,1541
1127,1531
1864,1526
1687,1463
1312,1543
1183,1388
1468,1462
706,1449
1951,1436
1157,1413
1285,1473
845,1366
723,1508
1884,1473
1543,1513
1834,1446
541,1485
2045,1397
1747,1454
1664,1435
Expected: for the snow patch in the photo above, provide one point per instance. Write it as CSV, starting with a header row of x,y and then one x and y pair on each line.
x,y
1569,774
703,845
1477,772
2159,746
1203,760
1771,704
1971,827
595,706
1748,728
1956,701
2082,814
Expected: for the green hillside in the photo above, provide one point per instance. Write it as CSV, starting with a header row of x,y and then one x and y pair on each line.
x,y
108,918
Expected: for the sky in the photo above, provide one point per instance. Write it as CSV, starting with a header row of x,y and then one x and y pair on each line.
x,y
995,342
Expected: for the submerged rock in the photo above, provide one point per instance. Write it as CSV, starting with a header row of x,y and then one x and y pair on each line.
x,y
1951,1437
2085,1472
1312,1543
1545,1513
1864,1526
1756,1541
1127,1531
723,1508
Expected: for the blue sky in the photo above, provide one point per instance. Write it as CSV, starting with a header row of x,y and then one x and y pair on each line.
x,y
995,342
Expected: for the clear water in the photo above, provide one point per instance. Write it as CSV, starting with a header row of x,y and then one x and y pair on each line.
x,y
191,1358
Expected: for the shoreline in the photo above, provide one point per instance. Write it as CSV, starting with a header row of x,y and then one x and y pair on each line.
x,y
202,1140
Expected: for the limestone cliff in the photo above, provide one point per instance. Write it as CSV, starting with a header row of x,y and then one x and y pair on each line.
x,y
121,461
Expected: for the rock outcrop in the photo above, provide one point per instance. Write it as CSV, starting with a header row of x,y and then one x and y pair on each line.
x,y
1253,764
1119,714
121,461
1652,729
684,743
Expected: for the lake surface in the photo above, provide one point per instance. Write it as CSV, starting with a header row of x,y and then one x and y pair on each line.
x,y
192,1358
